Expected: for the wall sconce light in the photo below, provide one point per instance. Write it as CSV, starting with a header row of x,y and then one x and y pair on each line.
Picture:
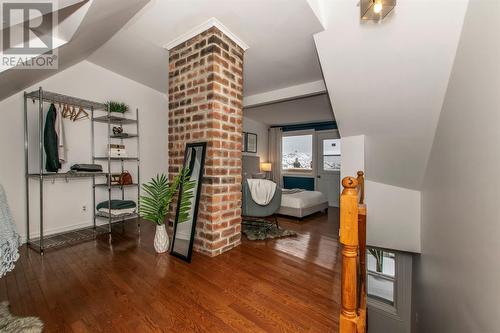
x,y
376,10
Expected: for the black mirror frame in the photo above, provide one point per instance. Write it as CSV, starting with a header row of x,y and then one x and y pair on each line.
x,y
198,193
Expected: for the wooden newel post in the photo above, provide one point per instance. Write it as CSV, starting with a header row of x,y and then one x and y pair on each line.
x,y
349,241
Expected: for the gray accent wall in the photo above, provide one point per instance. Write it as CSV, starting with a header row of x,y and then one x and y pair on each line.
x,y
458,273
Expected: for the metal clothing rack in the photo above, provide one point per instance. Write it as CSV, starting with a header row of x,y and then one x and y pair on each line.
x,y
44,242
109,120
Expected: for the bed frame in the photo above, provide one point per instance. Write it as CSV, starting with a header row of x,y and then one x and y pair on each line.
x,y
303,212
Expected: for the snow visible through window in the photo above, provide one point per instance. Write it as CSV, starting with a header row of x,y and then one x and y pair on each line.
x,y
331,155
297,153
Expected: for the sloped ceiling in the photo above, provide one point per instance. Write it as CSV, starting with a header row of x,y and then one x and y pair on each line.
x,y
102,20
279,33
388,80
298,111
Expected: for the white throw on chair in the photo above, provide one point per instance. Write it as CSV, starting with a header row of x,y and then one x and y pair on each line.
x,y
262,190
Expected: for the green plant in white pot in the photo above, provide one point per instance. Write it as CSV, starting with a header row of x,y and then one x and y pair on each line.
x,y
155,205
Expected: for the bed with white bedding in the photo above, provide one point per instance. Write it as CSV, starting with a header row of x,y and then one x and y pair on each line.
x,y
300,203
296,202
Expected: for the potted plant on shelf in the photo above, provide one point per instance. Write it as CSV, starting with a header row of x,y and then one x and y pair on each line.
x,y
118,107
155,205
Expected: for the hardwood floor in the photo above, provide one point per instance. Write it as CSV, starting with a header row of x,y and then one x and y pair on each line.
x,y
284,285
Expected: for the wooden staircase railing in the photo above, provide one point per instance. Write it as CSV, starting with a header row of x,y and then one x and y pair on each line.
x,y
353,240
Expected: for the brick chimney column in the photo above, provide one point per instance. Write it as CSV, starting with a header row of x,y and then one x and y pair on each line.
x,y
205,104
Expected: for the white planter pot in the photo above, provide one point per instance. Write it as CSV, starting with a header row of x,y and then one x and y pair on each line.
x,y
161,242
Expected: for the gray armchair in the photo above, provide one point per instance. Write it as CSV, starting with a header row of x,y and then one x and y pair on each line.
x,y
251,211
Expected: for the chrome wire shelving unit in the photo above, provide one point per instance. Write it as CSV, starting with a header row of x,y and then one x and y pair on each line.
x,y
43,242
109,120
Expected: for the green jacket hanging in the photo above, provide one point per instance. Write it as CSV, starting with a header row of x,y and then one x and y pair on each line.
x,y
52,163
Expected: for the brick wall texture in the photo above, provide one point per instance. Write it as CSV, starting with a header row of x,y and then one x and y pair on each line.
x,y
205,104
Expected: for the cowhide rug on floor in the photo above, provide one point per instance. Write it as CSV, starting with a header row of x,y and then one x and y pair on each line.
x,y
13,324
264,230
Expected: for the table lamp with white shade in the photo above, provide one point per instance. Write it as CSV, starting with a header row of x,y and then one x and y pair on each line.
x,y
267,168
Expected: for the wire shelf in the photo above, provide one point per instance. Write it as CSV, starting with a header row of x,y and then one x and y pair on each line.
x,y
128,136
114,120
52,97
116,158
117,218
66,238
68,174
116,185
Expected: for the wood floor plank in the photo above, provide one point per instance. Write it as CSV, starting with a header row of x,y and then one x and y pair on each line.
x,y
119,284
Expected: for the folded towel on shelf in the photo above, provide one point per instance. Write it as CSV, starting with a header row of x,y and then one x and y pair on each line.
x,y
9,238
87,167
117,212
116,204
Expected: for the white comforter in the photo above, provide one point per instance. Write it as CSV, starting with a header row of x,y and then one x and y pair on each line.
x,y
302,199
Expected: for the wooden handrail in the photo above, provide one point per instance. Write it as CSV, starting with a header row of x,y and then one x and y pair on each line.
x,y
362,224
362,254
353,241
361,187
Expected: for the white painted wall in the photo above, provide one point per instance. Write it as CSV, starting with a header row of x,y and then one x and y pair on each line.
x,y
353,155
458,272
261,129
387,80
410,54
393,212
64,201
393,217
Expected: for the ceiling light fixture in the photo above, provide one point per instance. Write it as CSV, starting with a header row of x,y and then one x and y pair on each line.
x,y
376,9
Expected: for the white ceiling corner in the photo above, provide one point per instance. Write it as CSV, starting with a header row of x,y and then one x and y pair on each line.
x,y
281,54
317,8
86,25
284,94
211,22
313,108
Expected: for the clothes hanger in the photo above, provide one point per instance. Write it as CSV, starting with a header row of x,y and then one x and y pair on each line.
x,y
73,113
68,111
65,111
80,111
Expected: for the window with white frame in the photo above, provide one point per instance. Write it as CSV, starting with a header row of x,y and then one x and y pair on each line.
x,y
381,266
297,153
331,155
389,289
